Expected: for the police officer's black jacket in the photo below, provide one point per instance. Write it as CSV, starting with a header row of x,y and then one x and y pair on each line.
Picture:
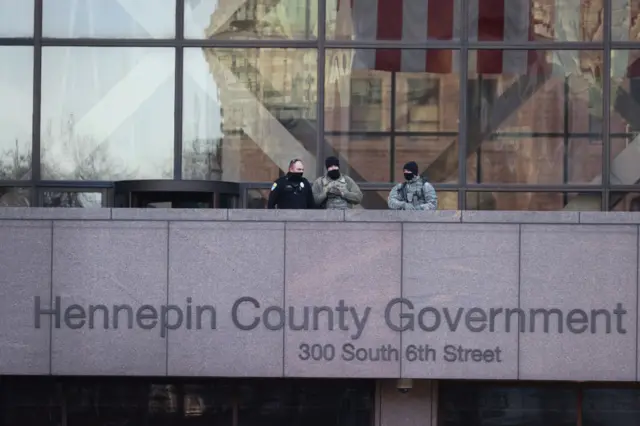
x,y
290,192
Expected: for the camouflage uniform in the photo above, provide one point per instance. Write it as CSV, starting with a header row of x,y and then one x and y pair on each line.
x,y
416,194
351,194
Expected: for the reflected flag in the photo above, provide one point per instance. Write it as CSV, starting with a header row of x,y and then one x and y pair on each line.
x,y
501,21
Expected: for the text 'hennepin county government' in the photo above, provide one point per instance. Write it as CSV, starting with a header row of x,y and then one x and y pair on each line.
x,y
398,314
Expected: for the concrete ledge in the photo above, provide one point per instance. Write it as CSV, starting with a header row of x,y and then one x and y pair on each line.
x,y
286,215
170,214
356,215
438,216
53,213
627,218
520,217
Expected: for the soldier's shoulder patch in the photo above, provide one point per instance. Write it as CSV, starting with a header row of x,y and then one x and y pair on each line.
x,y
275,184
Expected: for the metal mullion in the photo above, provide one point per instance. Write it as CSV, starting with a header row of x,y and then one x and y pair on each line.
x,y
16,41
257,43
109,42
536,45
463,106
565,152
178,93
625,188
174,42
388,133
320,90
470,44
74,184
392,140
606,108
36,170
531,188
629,44
391,44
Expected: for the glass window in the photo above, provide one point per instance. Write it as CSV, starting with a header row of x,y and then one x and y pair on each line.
x,y
540,201
384,107
518,21
530,117
624,15
251,19
415,21
15,197
16,107
107,113
248,112
305,402
365,158
465,404
624,201
31,401
109,19
625,117
74,199
16,18
610,407
377,200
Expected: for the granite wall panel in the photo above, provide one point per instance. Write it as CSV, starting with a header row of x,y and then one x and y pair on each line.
x,y
109,281
25,284
456,277
352,270
579,279
215,265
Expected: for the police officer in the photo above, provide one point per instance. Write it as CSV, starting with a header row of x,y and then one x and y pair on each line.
x,y
291,191
415,193
336,190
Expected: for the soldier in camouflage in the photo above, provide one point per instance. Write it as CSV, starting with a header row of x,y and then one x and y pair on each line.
x,y
335,191
413,194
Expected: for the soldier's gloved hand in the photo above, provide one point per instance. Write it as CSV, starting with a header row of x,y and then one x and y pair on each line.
x,y
409,206
335,191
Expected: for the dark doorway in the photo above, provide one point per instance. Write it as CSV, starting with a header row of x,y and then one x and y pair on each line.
x,y
170,194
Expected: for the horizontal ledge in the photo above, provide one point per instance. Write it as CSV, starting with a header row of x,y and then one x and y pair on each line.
x,y
353,215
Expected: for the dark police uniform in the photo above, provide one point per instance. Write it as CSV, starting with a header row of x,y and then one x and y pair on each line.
x,y
288,192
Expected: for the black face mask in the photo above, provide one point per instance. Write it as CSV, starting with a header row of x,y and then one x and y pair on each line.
x,y
296,177
408,176
333,174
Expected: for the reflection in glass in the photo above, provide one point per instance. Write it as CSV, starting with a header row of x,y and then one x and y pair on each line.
x,y
625,117
248,112
518,21
16,105
16,18
377,200
624,18
109,19
305,402
31,401
251,19
624,201
107,113
535,118
366,158
513,21
71,199
416,93
15,197
415,21
257,198
464,404
610,407
541,201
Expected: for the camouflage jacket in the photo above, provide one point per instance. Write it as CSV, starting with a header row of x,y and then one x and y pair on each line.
x,y
416,194
351,194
